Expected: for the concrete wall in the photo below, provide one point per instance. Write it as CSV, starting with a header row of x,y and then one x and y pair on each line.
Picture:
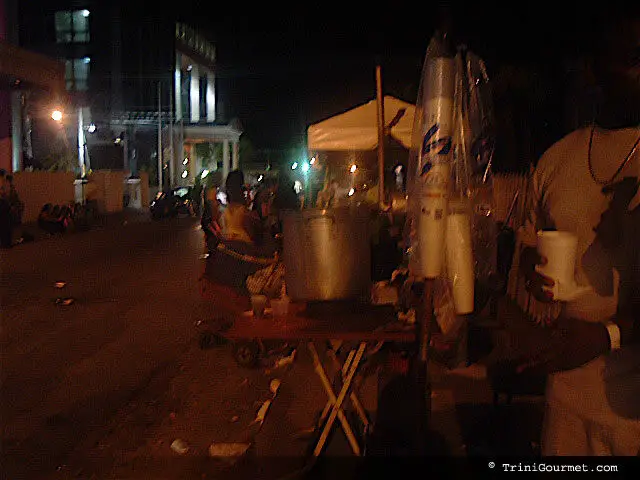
x,y
144,189
106,187
37,188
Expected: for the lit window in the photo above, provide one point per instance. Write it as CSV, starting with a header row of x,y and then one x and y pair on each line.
x,y
72,26
77,74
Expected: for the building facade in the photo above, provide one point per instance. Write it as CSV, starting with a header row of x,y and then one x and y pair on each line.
x,y
25,78
141,89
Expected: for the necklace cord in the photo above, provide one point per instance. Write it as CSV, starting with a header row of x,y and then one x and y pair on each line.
x,y
620,168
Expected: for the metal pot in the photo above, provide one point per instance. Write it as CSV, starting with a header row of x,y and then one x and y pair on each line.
x,y
327,253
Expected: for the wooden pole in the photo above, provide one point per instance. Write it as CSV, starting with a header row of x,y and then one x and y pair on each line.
x,y
380,98
426,321
420,373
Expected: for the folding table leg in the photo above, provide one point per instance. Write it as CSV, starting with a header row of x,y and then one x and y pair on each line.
x,y
336,411
352,396
343,370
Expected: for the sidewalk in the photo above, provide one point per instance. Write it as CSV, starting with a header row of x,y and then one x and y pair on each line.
x,y
109,220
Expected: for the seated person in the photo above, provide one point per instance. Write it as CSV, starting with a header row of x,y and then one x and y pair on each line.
x,y
49,219
66,217
210,220
240,251
285,198
237,222
44,216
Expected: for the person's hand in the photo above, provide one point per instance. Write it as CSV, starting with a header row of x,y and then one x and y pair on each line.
x,y
570,344
534,281
629,330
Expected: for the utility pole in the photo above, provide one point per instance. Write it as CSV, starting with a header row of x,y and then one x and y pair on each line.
x,y
125,150
160,186
172,158
81,144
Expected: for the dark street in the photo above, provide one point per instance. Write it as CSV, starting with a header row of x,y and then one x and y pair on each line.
x,y
84,385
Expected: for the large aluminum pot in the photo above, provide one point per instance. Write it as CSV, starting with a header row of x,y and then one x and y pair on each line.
x,y
327,253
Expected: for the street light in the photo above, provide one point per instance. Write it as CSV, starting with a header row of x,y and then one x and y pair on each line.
x,y
57,115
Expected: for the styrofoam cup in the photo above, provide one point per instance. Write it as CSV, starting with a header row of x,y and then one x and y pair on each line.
x,y
559,248
459,255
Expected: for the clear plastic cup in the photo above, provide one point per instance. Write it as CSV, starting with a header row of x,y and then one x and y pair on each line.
x,y
280,307
258,304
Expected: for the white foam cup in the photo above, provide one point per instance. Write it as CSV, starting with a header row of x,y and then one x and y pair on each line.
x,y
559,248
459,259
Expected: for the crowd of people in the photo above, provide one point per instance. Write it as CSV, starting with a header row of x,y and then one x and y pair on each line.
x,y
251,217
57,219
243,234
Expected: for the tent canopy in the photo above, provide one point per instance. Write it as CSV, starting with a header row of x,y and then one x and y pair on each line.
x,y
357,128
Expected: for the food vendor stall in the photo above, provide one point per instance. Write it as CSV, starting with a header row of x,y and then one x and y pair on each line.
x,y
326,285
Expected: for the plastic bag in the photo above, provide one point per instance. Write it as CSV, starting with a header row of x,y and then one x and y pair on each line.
x,y
267,281
453,138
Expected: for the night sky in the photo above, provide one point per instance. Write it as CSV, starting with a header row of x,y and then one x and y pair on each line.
x,y
282,70
283,67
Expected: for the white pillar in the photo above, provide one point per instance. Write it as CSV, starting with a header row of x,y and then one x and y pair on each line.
x,y
235,155
191,167
225,160
194,94
16,131
211,97
81,163
177,86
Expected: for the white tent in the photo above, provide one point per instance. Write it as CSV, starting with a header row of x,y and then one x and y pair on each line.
x,y
357,128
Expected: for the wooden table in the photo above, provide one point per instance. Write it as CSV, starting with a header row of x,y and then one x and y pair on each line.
x,y
367,325
325,321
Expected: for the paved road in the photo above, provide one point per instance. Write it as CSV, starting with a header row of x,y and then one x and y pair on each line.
x,y
101,386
